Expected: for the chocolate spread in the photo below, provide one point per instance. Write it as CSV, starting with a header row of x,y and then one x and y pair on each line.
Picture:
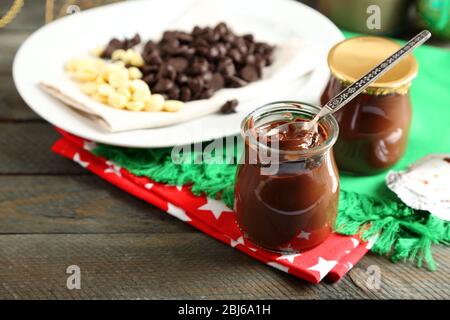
x,y
373,130
294,209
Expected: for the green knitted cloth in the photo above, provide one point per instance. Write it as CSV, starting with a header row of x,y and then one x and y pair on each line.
x,y
403,233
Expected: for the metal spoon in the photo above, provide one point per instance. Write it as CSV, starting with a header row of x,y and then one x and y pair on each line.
x,y
346,95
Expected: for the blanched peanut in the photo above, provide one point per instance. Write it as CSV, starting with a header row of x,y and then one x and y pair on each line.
x,y
105,89
118,78
89,87
136,60
173,105
97,52
135,105
117,100
85,76
137,84
72,64
100,98
124,91
140,90
141,95
155,103
118,54
134,73
100,80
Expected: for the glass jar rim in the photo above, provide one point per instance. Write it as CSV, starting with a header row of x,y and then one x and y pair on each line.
x,y
295,106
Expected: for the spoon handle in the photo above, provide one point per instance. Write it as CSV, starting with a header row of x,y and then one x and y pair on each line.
x,y
353,90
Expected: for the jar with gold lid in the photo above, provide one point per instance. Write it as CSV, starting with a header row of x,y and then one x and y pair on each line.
x,y
374,126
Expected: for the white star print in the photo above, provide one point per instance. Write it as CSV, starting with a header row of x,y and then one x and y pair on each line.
x,y
177,212
148,186
304,235
114,168
348,251
179,188
287,248
371,242
355,242
89,145
215,206
289,257
77,159
278,266
323,266
234,243
349,265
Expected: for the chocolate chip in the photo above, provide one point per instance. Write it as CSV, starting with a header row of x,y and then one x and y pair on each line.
x,y
150,79
198,67
184,37
207,93
235,82
229,107
269,59
163,85
182,79
250,59
150,68
150,46
130,43
185,94
174,93
235,55
213,53
221,28
249,37
196,85
207,78
178,63
153,58
226,67
217,82
249,73
112,46
222,50
167,71
202,51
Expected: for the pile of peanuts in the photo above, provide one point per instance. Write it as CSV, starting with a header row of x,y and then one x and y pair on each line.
x,y
117,85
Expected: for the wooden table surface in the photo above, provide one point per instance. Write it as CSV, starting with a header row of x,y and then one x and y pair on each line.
x,y
54,214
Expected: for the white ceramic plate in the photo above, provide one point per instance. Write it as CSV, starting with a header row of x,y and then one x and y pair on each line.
x,y
46,50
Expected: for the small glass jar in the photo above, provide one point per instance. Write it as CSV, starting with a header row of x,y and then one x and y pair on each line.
x,y
374,126
289,204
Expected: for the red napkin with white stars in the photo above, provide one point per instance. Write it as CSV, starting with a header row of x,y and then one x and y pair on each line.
x,y
331,259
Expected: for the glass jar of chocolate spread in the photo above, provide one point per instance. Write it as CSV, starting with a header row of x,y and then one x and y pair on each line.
x,y
287,184
374,126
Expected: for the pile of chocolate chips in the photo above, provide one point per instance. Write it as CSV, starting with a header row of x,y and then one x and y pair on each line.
x,y
190,66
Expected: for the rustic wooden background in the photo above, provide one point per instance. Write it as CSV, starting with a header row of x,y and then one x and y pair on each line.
x,y
54,214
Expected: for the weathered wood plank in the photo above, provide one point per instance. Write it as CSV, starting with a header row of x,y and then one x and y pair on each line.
x,y
12,106
25,149
31,17
404,280
181,266
76,204
10,42
143,266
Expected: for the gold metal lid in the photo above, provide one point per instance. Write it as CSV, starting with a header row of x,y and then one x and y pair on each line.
x,y
352,58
